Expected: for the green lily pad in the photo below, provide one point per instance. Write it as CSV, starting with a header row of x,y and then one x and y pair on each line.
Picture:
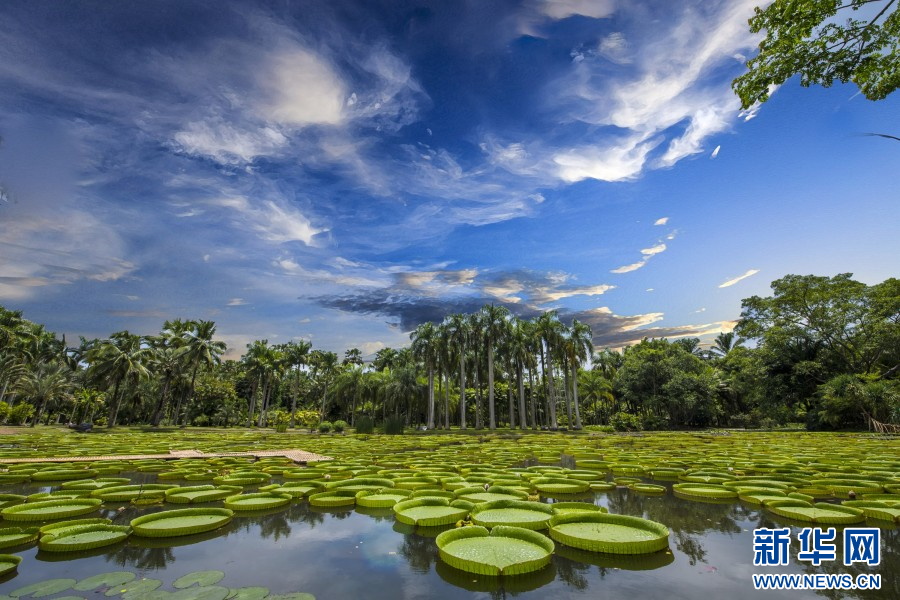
x,y
200,493
428,512
201,578
51,527
502,551
516,513
50,509
185,521
207,592
821,513
381,499
613,534
16,536
113,578
259,501
44,588
292,596
9,563
135,590
83,537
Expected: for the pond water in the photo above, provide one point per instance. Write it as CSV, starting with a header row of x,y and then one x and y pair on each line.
x,y
341,553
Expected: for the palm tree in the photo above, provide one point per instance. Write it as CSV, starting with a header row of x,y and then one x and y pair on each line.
x,y
725,343
123,358
202,349
166,361
579,346
548,329
296,355
48,382
493,318
324,366
597,388
424,347
458,327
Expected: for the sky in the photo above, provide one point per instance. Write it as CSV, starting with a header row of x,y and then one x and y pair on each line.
x,y
343,171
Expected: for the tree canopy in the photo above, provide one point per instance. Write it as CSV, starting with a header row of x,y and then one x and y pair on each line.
x,y
823,41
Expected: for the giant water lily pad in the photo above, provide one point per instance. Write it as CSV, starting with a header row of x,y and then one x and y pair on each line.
x,y
502,551
820,513
16,536
186,521
50,509
260,501
199,578
884,511
613,534
127,493
517,513
43,588
200,493
704,490
429,512
9,563
113,578
381,498
83,537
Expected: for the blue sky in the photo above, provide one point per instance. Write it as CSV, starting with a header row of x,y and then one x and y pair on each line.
x,y
342,171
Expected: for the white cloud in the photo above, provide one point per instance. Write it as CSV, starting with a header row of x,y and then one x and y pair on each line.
x,y
731,282
630,268
614,48
715,152
227,144
273,221
561,9
237,302
654,250
661,221
303,90
613,163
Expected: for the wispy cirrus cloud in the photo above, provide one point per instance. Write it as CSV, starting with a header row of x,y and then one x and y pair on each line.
x,y
739,278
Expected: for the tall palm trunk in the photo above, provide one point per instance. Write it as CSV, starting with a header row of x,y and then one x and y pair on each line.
x,y
521,381
253,391
462,387
447,400
569,421
492,423
552,395
114,406
575,395
295,391
430,423
160,406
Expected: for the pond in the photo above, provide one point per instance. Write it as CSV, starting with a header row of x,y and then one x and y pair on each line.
x,y
359,552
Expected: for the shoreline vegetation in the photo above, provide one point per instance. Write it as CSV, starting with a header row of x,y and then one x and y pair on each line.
x,y
819,353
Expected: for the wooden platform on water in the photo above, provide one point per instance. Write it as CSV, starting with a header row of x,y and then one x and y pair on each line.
x,y
298,456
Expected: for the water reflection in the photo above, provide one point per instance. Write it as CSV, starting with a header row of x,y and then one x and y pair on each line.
x,y
497,587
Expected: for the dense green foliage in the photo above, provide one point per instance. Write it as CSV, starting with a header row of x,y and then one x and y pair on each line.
x,y
824,352
822,41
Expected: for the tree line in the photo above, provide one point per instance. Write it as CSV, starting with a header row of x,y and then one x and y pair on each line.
x,y
824,352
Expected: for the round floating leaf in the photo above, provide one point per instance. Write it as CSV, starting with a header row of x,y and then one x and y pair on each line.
x,y
516,513
200,493
10,500
333,498
114,578
428,512
8,563
50,509
876,510
44,588
820,513
613,534
201,578
83,537
260,501
16,536
648,488
63,474
557,485
208,592
136,590
503,551
562,508
186,521
381,498
292,596
51,527
703,490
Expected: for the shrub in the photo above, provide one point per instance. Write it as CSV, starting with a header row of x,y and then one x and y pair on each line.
x,y
623,421
393,426
307,418
280,419
201,421
4,411
325,427
339,426
20,413
655,423
365,425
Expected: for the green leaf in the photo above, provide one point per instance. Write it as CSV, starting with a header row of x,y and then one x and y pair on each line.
x,y
202,578
113,578
42,589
